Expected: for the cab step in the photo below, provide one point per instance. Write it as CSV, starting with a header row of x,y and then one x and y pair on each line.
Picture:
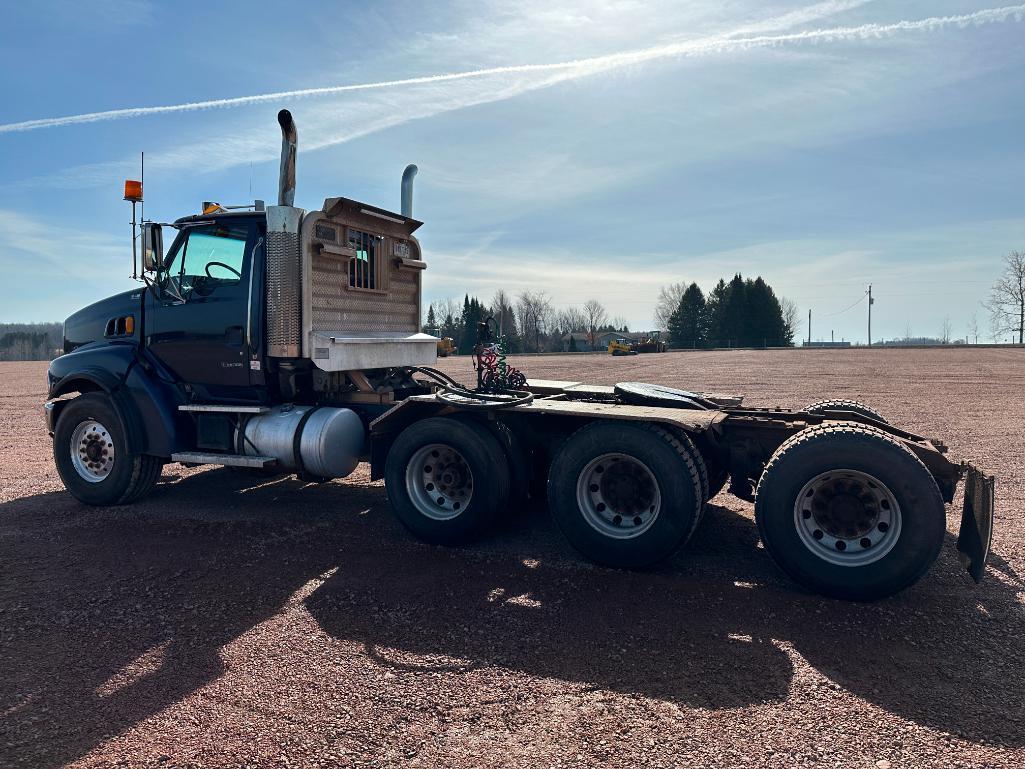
x,y
228,460
224,409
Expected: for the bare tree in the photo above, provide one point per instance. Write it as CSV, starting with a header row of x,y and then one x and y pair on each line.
x,y
668,300
973,329
792,320
1006,303
571,319
946,330
502,310
619,323
534,311
449,307
597,316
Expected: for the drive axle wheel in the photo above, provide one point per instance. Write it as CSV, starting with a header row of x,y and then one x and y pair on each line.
x,y
625,495
92,456
447,479
849,511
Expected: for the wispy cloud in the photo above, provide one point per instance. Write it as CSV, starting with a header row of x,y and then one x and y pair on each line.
x,y
560,71
80,267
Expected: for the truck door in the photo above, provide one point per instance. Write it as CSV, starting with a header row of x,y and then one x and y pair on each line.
x,y
200,327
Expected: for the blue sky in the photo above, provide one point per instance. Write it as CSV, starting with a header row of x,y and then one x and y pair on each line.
x,y
822,145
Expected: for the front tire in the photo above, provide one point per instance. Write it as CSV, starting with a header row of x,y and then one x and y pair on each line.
x,y
92,457
625,495
849,512
447,479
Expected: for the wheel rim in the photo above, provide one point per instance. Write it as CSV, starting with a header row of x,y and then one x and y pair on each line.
x,y
92,451
439,482
847,517
618,496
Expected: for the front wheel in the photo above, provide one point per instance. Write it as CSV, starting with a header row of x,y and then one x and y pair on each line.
x,y
92,455
849,512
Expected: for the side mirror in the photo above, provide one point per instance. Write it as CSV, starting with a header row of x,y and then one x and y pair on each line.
x,y
152,247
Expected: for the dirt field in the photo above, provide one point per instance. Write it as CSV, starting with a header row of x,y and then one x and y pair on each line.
x,y
229,622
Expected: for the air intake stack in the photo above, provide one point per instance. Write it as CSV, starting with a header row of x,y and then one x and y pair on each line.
x,y
407,190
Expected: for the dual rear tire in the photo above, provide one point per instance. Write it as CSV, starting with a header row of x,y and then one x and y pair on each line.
x,y
844,509
849,512
625,495
447,479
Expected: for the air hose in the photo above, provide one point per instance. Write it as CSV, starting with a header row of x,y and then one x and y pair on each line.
x,y
453,393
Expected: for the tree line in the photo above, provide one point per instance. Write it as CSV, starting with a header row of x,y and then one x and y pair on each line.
x,y
530,322
30,341
738,313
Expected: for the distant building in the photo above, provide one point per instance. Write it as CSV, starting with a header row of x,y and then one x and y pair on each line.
x,y
825,344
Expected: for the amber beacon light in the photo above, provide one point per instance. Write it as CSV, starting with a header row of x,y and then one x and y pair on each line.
x,y
133,190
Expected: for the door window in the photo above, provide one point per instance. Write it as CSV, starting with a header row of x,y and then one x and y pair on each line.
x,y
209,257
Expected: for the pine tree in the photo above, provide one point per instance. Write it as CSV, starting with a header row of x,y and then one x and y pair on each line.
x,y
687,324
715,315
573,344
432,321
764,317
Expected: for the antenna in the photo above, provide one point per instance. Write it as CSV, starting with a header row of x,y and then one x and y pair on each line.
x,y
142,178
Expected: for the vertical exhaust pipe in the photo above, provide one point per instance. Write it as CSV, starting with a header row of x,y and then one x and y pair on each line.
x,y
289,142
407,190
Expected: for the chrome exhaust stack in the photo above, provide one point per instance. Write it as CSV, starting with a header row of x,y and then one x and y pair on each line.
x,y
407,190
284,258
289,143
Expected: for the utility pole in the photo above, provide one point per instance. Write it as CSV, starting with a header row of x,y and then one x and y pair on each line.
x,y
871,301
809,326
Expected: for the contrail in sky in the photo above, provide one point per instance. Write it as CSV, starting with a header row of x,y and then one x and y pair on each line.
x,y
587,66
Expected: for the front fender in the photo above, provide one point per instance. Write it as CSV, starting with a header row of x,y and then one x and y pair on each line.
x,y
146,403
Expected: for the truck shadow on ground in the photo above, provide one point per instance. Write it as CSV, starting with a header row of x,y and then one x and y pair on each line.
x,y
125,613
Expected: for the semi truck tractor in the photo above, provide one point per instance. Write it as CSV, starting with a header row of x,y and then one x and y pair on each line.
x,y
288,341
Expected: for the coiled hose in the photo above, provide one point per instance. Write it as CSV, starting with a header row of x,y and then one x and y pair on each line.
x,y
453,393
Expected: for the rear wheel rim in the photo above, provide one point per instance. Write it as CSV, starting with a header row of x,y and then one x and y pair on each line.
x,y
847,517
92,451
439,482
618,496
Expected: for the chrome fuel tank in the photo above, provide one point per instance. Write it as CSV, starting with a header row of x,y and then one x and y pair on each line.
x,y
330,445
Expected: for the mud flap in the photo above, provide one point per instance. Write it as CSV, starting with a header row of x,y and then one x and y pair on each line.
x,y
976,521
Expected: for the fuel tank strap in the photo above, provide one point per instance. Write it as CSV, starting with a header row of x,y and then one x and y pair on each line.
x,y
297,452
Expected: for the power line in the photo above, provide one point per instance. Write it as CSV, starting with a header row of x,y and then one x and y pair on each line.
x,y
845,309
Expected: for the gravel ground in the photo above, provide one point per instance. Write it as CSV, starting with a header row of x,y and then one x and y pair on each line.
x,y
227,621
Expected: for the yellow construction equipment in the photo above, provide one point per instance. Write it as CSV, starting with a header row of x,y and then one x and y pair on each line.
x,y
621,346
446,347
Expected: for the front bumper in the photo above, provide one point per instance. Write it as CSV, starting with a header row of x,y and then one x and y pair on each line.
x,y
976,534
50,414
